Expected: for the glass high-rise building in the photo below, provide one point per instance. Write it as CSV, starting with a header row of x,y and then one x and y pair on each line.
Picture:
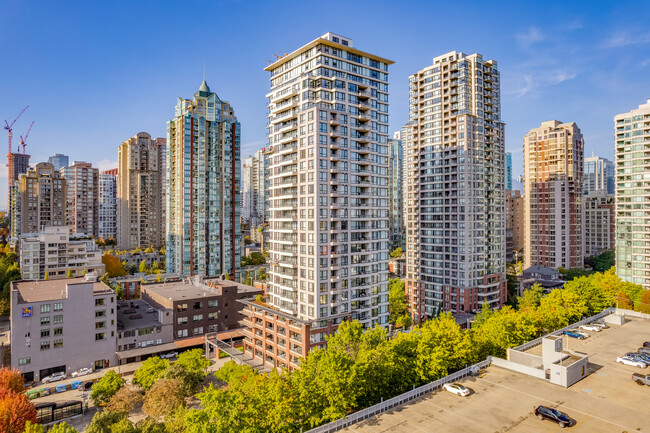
x,y
598,175
395,192
632,196
203,181
508,171
454,192
58,161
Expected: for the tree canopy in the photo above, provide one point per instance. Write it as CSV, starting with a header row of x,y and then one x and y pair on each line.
x,y
106,387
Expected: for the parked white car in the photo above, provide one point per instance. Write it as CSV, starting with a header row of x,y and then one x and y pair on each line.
x,y
629,361
54,378
81,372
456,388
602,325
169,355
590,327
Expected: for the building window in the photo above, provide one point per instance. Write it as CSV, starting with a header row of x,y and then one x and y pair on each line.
x,y
213,316
45,320
198,331
45,345
58,343
58,318
213,303
130,333
213,328
197,305
45,333
181,307
58,331
58,306
99,325
100,313
100,336
24,361
100,301
45,308
197,318
181,320
181,333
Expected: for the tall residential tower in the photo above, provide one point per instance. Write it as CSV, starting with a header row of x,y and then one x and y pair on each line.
x,y
632,197
395,191
553,199
82,180
455,198
328,194
140,192
203,187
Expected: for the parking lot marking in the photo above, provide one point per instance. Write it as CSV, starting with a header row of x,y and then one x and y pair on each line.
x,y
571,409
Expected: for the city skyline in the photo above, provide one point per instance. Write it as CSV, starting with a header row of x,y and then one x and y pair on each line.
x,y
528,50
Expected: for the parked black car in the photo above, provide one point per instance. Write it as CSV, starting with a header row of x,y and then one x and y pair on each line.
x,y
560,418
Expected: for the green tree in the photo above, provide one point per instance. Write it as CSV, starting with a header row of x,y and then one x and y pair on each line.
x,y
261,274
194,361
570,274
399,315
531,298
155,268
502,329
397,253
226,276
106,387
248,281
561,307
114,267
644,303
110,422
150,371
143,268
70,274
46,276
247,240
604,261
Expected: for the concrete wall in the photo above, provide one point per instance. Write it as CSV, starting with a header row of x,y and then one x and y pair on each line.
x,y
568,375
524,358
632,313
535,372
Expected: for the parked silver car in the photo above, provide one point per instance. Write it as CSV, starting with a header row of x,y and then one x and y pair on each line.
x,y
54,377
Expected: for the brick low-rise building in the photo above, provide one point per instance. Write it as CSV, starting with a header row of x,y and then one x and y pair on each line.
x,y
280,340
199,305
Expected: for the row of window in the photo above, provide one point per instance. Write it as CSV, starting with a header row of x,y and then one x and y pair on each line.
x,y
45,308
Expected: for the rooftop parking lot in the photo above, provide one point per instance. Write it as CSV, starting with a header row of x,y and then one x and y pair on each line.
x,y
503,401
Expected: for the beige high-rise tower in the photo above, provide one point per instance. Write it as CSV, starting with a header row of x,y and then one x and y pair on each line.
x,y
141,192
39,200
553,200
454,191
82,180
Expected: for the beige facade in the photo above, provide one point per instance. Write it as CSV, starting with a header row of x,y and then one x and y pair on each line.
x,y
40,200
55,252
82,202
553,199
600,226
141,192
454,191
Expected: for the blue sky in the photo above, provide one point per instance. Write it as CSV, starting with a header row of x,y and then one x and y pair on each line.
x,y
96,73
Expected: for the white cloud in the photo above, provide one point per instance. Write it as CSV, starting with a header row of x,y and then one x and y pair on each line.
x,y
625,38
531,36
106,164
532,82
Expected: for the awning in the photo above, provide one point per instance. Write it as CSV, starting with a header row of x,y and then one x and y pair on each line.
x,y
189,342
141,351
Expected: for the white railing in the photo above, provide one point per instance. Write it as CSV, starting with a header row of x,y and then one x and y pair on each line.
x,y
538,341
396,401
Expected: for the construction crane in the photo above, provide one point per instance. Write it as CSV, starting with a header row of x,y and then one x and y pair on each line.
x,y
23,140
9,127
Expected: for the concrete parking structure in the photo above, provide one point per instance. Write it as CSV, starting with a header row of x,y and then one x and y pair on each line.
x,y
607,400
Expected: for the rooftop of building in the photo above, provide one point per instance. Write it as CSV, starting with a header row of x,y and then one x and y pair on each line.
x,y
136,314
543,270
188,288
51,290
500,400
324,39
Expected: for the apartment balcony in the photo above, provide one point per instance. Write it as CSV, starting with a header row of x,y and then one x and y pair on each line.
x,y
293,136
362,138
276,108
334,134
283,94
363,116
363,106
334,121
363,94
288,126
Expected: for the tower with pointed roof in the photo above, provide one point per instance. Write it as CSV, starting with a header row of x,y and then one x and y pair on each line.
x,y
203,205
